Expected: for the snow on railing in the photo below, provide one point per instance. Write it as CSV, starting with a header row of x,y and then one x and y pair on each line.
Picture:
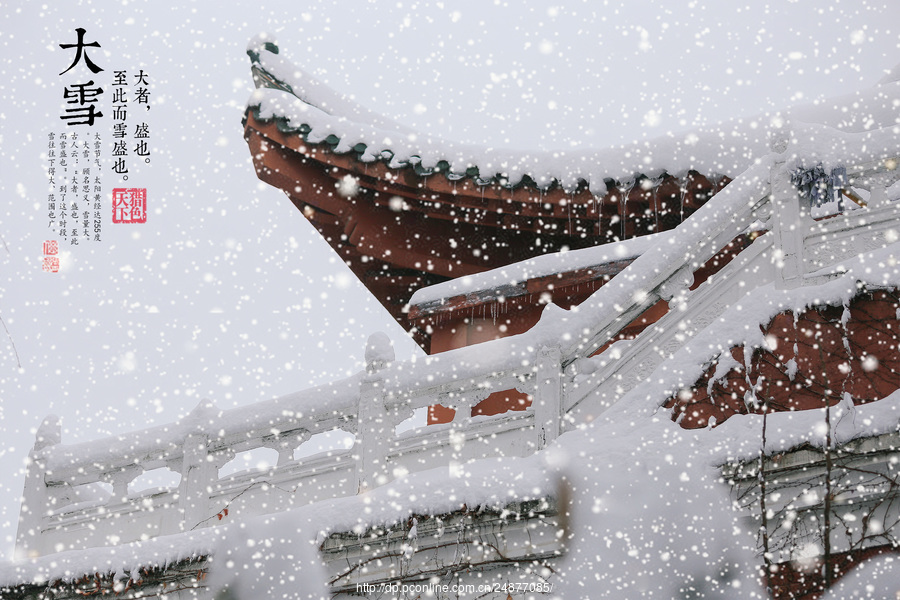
x,y
62,509
798,251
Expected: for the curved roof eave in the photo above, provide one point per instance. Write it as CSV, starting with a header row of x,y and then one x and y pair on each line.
x,y
301,104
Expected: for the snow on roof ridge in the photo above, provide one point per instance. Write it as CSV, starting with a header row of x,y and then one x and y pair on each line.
x,y
263,51
323,115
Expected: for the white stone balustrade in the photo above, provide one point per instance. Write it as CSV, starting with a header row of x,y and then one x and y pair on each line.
x,y
62,508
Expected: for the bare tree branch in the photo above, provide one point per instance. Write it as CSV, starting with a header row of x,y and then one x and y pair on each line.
x,y
11,342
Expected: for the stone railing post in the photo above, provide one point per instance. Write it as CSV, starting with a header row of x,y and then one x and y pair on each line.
x,y
456,434
791,221
285,445
886,174
34,496
375,429
198,475
461,450
199,470
547,396
120,482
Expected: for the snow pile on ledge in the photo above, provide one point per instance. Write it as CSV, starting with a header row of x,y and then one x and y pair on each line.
x,y
626,535
724,149
649,515
788,430
268,557
539,266
71,565
875,579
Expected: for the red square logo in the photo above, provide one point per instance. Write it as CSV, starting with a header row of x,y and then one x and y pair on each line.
x,y
51,247
129,205
51,264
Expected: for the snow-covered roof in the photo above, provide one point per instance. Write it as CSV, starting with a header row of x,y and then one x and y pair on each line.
x,y
301,104
743,322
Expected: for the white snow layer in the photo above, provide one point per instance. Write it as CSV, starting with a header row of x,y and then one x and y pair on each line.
x,y
121,560
649,515
269,557
625,533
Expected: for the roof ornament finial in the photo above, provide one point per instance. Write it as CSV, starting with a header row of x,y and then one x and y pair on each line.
x,y
261,41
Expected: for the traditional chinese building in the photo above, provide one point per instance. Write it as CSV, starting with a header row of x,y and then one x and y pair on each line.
x,y
451,247
464,248
747,291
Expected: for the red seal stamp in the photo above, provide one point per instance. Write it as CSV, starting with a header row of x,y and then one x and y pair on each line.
x,y
51,264
129,205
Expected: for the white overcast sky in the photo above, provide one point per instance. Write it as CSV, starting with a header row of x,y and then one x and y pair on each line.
x,y
226,292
